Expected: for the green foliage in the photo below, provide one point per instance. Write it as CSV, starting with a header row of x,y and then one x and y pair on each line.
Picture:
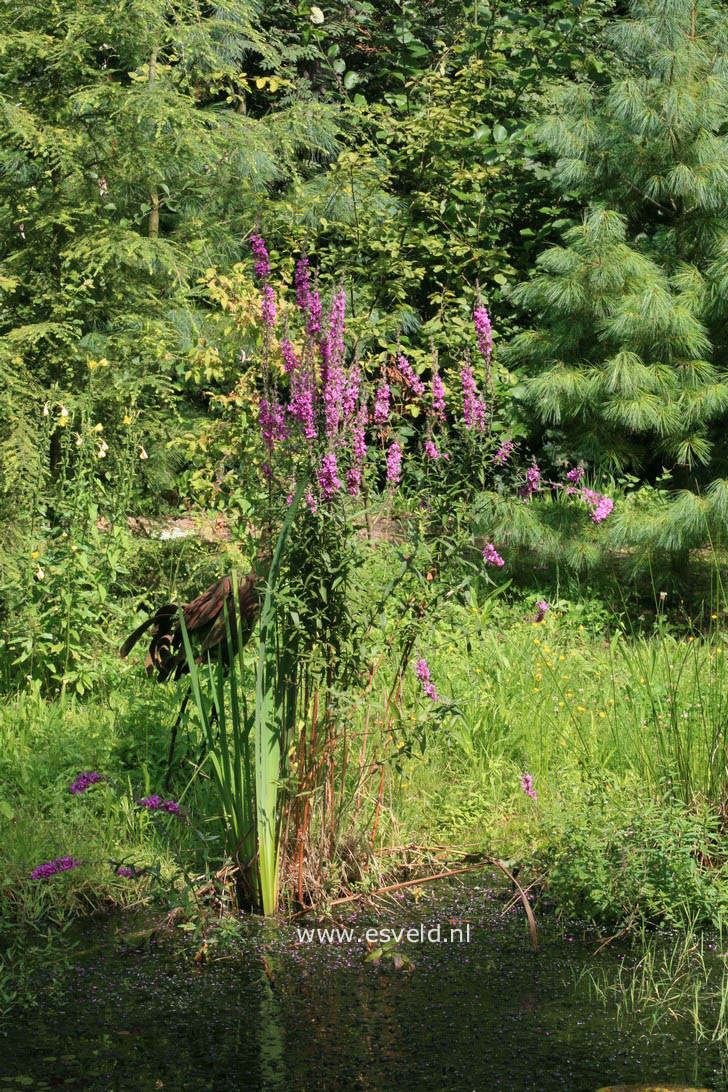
x,y
622,857
627,369
138,146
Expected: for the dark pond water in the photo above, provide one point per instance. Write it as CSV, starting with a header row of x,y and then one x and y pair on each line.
x,y
471,1014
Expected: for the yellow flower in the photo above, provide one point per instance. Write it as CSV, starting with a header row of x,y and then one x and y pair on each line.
x,y
602,715
99,427
35,554
581,708
714,616
127,419
561,705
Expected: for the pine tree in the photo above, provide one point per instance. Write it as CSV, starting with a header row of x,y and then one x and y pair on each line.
x,y
138,143
628,365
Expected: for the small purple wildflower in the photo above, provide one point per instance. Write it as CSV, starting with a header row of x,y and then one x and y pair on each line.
x,y
127,872
394,462
351,391
527,786
358,452
503,453
155,803
431,450
600,505
262,265
423,674
533,482
51,868
541,607
576,474
491,555
83,781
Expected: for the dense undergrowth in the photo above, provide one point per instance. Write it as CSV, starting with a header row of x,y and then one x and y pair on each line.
x,y
620,729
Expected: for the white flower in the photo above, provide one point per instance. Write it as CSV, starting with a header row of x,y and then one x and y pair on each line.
x,y
317,16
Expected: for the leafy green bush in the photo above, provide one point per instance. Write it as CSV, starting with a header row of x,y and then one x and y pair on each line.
x,y
619,855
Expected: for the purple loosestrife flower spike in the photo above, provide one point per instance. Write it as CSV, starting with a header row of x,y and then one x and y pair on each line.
x,y
351,391
394,462
51,868
576,474
600,505
533,482
83,781
423,674
438,396
262,265
527,786
503,453
290,360
268,306
301,405
155,803
358,452
431,451
492,557
381,404
328,478
483,331
313,327
411,377
473,407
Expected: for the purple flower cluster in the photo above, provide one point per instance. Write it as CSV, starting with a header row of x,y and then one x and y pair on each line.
x,y
290,360
541,607
155,803
394,462
483,331
423,674
431,451
576,474
381,404
474,412
262,265
503,453
84,781
350,396
50,868
492,557
358,452
438,396
301,405
268,306
533,482
328,477
600,505
127,872
527,786
411,378
315,314
272,421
